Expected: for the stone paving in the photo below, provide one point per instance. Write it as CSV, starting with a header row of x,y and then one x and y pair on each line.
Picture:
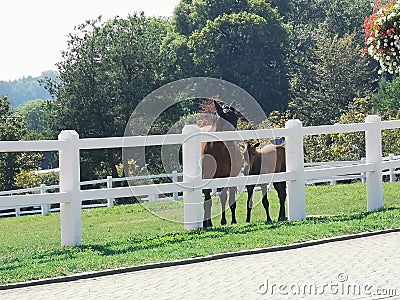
x,y
361,268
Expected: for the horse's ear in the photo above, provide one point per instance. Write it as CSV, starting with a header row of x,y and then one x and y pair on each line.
x,y
218,108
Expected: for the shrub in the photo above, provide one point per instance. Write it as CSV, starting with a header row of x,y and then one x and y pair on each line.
x,y
30,179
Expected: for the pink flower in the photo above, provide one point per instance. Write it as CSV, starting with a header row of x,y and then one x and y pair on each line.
x,y
381,31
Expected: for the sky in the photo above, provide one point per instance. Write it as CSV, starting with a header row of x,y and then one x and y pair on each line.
x,y
33,33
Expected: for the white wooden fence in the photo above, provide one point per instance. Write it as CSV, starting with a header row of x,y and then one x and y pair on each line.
x,y
108,182
70,196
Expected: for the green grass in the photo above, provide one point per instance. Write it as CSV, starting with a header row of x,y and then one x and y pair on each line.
x,y
133,235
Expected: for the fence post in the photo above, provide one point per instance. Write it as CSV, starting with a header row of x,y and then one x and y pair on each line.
x,y
392,175
174,180
295,163
110,201
70,213
153,197
192,175
45,207
373,149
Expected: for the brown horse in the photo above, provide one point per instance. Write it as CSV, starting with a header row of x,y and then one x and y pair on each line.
x,y
219,160
270,159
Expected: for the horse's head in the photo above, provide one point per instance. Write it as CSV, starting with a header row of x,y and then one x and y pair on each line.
x,y
250,155
228,114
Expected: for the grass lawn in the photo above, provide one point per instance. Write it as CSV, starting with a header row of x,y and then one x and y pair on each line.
x,y
133,234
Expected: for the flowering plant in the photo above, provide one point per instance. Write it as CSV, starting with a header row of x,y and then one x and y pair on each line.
x,y
382,36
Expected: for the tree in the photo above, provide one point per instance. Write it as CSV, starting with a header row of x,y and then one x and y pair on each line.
x,y
386,99
340,16
180,64
107,69
247,50
344,17
318,28
243,42
12,128
351,146
337,74
192,15
35,116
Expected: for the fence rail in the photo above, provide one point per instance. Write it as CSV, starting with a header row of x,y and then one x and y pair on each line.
x,y
70,195
388,163
107,182
310,168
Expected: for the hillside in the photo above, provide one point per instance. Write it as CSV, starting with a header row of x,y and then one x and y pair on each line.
x,y
26,89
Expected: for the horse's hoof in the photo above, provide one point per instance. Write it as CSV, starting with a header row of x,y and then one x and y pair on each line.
x,y
207,224
234,222
268,221
282,219
223,222
247,220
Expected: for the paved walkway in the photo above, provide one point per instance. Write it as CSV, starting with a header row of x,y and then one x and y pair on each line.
x,y
362,268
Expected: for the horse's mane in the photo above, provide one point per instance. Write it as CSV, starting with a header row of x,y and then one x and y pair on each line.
x,y
220,124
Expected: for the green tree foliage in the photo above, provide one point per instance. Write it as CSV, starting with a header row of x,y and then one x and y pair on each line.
x,y
180,64
313,64
320,29
342,147
351,146
12,128
386,103
247,50
340,16
31,179
386,99
262,8
337,74
337,17
190,16
244,42
107,69
35,115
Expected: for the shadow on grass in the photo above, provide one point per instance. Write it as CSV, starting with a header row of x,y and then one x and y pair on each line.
x,y
161,241
143,243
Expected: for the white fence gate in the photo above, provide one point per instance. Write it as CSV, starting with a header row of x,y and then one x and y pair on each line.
x,y
71,196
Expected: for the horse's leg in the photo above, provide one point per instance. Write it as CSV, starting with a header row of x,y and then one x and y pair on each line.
x,y
250,190
265,202
232,203
223,196
280,187
207,209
